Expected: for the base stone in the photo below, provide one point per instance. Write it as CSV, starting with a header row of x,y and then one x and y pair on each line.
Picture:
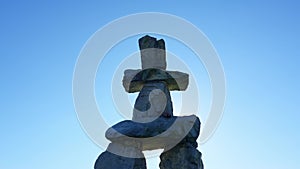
x,y
109,160
182,156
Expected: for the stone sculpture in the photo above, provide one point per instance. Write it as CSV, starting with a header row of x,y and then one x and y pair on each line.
x,y
153,125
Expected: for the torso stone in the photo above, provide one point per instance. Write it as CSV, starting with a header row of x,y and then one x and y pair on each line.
x,y
153,101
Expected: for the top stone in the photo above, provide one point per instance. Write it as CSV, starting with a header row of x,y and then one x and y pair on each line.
x,y
153,53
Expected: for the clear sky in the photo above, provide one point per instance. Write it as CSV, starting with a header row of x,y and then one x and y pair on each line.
x,y
258,43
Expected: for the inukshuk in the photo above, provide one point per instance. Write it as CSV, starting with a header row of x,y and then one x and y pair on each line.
x,y
153,125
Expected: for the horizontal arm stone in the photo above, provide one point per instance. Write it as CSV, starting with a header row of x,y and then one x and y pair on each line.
x,y
134,80
156,134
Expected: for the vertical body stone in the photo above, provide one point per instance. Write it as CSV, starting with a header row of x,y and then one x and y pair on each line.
x,y
153,101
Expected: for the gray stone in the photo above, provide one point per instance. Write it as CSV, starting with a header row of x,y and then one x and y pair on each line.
x,y
134,80
183,156
153,54
108,160
151,42
153,101
126,148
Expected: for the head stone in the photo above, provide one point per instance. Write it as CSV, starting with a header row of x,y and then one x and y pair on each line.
x,y
153,53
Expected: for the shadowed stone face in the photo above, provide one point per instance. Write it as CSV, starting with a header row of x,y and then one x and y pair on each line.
x,y
150,42
153,101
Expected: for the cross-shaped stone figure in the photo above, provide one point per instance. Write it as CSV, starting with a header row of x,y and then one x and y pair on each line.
x,y
153,82
153,125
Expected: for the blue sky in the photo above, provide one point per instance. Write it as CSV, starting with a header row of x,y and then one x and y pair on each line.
x,y
258,44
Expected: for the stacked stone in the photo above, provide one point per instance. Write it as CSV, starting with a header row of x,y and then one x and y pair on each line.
x,y
153,125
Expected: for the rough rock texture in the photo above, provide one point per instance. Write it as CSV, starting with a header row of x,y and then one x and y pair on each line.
x,y
153,53
183,156
160,133
134,80
153,101
108,160
126,148
151,42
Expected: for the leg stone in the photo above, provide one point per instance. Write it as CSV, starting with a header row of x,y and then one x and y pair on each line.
x,y
108,160
182,156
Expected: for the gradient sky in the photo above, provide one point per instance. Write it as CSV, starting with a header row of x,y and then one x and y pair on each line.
x,y
258,43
